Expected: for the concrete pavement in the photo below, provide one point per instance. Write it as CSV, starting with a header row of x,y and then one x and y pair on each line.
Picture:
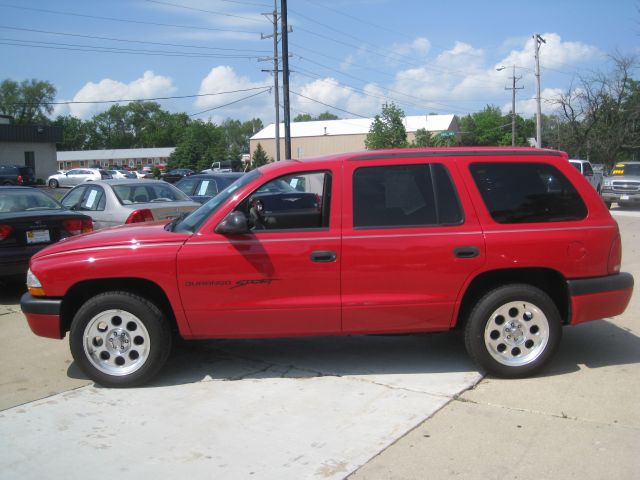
x,y
384,407
578,420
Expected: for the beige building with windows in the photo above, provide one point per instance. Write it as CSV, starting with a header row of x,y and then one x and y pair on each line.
x,y
131,158
312,139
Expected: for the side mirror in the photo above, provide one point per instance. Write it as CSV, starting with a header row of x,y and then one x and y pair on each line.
x,y
233,224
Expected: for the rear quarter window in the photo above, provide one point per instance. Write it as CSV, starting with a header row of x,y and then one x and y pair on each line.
x,y
527,192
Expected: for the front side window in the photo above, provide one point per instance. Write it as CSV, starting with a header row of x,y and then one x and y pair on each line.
x,y
404,196
292,202
527,192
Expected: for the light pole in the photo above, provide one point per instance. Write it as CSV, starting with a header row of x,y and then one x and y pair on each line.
x,y
513,103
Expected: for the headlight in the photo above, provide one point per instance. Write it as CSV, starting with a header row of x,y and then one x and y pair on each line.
x,y
33,285
608,183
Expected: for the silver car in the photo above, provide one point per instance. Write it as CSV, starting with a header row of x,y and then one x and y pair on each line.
x,y
77,176
114,202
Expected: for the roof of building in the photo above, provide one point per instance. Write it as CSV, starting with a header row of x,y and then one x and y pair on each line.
x,y
117,153
30,133
354,126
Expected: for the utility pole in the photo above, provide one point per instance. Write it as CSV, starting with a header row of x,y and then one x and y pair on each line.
x,y
513,103
285,78
275,74
539,40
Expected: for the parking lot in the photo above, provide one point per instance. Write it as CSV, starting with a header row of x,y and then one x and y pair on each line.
x,y
379,406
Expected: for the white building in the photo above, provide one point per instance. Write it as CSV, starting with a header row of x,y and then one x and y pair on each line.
x,y
311,139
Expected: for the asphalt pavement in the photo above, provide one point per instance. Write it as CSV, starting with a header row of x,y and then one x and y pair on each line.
x,y
403,407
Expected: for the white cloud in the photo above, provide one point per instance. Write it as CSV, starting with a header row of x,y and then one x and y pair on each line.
x,y
223,79
330,92
148,86
418,48
528,106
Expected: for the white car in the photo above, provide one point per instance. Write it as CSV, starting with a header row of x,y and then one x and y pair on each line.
x,y
77,176
114,202
120,174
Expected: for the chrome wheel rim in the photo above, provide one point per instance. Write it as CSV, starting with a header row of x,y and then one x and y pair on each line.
x,y
517,333
116,342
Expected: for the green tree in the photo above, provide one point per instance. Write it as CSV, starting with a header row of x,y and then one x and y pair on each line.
x,y
387,129
202,144
259,157
423,139
307,117
27,102
75,133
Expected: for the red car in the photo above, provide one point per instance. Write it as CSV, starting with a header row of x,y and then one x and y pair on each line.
x,y
508,245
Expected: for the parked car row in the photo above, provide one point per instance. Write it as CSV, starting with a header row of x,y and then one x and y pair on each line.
x,y
30,219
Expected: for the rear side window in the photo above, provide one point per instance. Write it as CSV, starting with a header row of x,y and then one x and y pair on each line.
x,y
527,192
404,196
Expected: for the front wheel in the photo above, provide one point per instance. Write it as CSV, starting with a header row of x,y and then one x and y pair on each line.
x,y
53,183
513,331
120,339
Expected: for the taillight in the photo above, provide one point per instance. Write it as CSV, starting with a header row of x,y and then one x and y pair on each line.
x,y
143,215
615,255
5,231
20,179
76,226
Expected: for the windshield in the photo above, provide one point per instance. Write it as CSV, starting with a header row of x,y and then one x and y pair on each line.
x,y
194,220
626,169
21,200
143,192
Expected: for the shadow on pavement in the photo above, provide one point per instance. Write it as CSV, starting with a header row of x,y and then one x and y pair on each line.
x,y
595,345
11,291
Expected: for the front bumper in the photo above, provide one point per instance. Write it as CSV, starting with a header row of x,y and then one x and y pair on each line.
x,y
43,315
613,197
599,297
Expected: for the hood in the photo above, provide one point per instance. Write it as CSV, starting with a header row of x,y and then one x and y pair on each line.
x,y
135,234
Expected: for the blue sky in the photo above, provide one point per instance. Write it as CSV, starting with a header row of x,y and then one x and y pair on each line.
x,y
347,57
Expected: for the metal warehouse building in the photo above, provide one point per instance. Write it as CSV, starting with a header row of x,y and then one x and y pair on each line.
x,y
311,139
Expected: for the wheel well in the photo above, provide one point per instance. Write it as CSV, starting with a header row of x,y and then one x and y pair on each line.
x,y
83,291
549,281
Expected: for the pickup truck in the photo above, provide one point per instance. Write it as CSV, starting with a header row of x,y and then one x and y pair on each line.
x,y
623,185
595,178
506,245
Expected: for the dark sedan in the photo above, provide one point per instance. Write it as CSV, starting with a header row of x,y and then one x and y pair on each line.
x,y
172,176
202,188
29,221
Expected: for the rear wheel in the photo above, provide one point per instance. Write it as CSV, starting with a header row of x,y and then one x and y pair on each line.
x,y
120,339
513,330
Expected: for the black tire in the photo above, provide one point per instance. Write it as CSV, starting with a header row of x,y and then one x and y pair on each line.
x,y
120,339
608,204
53,183
513,331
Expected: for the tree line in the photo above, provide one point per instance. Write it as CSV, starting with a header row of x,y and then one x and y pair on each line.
x,y
597,118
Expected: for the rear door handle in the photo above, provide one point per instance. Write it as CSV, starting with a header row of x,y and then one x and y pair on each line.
x,y
323,256
466,252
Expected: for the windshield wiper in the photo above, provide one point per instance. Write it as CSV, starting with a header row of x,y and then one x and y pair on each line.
x,y
172,225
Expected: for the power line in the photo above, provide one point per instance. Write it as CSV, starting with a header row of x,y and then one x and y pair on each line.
x,y
126,20
96,48
327,105
231,103
72,102
114,39
185,7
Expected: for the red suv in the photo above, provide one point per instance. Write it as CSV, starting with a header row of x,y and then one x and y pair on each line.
x,y
508,245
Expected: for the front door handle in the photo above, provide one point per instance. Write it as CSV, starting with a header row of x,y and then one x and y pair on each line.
x,y
466,252
323,256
